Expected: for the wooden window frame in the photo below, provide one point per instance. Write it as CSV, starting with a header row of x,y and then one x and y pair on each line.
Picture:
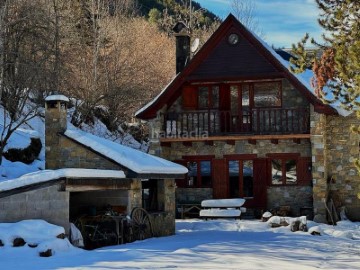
x,y
283,157
241,158
198,160
210,102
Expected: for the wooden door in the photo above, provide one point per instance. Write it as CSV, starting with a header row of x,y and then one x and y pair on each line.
x,y
260,184
220,178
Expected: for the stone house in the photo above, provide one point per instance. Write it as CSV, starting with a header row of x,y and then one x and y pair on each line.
x,y
245,126
84,171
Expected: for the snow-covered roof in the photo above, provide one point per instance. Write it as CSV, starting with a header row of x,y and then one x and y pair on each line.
x,y
48,175
135,160
57,98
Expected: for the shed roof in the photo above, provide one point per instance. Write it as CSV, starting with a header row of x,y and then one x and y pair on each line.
x,y
137,161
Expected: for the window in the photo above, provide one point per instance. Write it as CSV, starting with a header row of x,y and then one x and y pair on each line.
x,y
208,97
241,178
283,169
200,171
267,94
199,174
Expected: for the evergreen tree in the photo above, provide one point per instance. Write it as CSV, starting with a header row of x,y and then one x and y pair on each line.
x,y
337,70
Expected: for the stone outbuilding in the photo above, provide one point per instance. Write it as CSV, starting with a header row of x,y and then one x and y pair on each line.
x,y
88,173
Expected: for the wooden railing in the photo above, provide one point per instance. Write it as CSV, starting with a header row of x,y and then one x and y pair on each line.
x,y
256,121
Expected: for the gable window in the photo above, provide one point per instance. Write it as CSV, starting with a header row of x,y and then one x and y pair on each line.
x,y
284,169
267,94
208,97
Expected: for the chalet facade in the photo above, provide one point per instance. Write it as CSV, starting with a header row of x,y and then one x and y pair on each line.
x,y
87,173
245,126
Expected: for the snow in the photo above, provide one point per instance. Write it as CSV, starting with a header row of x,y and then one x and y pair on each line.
x,y
223,203
216,212
57,98
198,244
48,175
133,159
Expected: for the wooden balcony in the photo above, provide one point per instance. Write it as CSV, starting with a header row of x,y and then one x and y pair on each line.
x,y
214,123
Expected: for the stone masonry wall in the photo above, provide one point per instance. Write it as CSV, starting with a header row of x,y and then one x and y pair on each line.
x,y
47,203
319,152
343,149
72,155
297,197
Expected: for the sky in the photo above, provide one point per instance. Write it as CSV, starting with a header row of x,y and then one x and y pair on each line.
x,y
283,22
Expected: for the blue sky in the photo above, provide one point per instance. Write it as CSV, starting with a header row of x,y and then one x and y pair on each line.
x,y
283,22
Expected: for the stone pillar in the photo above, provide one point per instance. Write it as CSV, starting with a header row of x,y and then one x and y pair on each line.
x,y
134,195
319,164
166,200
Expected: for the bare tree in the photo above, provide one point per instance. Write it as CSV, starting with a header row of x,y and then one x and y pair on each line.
x,y
244,11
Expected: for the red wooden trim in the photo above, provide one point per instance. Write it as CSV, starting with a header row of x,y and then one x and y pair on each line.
x,y
198,157
240,156
269,77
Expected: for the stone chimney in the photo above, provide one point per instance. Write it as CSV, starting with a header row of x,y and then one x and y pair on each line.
x,y
182,46
55,123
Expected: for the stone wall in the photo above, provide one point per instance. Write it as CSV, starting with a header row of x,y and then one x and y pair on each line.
x,y
343,149
194,195
297,197
70,154
47,203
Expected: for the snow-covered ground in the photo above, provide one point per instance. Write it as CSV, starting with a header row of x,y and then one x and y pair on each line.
x,y
198,244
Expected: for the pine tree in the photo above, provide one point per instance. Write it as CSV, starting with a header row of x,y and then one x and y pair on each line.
x,y
337,71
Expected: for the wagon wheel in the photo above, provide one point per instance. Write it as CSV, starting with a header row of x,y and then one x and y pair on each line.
x,y
141,224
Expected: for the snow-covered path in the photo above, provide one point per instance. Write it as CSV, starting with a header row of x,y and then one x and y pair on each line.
x,y
226,244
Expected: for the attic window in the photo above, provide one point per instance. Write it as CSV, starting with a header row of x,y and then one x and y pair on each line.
x,y
208,97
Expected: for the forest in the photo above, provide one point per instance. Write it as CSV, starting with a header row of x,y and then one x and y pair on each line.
x,y
108,56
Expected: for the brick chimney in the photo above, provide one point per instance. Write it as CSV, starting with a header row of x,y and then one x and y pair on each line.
x,y
182,46
55,123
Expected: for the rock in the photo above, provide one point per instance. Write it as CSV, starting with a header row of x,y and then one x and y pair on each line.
x,y
265,217
303,227
320,219
61,236
32,245
1,243
315,233
47,253
295,226
18,242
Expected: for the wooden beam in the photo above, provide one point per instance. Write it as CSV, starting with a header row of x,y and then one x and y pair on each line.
x,y
237,138
274,141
